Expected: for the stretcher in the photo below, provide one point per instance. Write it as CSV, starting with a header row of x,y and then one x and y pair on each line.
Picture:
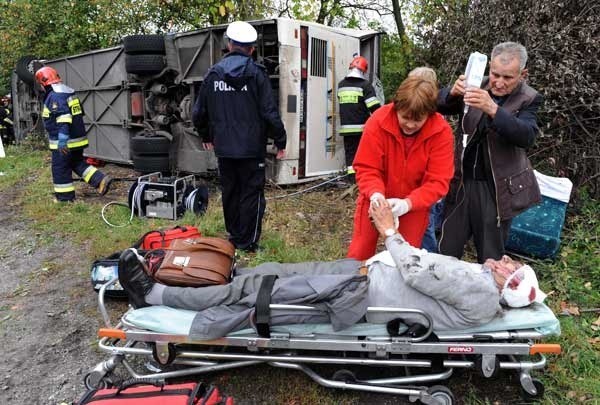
x,y
416,355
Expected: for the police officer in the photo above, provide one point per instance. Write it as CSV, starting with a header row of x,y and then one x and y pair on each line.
x,y
63,120
6,123
234,112
357,102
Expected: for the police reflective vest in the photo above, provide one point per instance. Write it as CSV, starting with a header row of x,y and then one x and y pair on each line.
x,y
63,113
357,101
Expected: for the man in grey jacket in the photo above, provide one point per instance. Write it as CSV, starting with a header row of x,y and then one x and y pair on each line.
x,y
456,294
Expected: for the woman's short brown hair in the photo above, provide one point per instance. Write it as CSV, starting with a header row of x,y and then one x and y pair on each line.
x,y
416,96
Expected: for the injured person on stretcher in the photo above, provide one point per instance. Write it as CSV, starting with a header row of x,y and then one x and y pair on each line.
x,y
456,294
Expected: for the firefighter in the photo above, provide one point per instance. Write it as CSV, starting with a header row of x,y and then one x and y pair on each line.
x,y
357,102
6,123
234,113
63,120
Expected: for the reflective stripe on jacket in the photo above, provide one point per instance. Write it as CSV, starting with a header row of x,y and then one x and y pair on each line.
x,y
357,101
62,113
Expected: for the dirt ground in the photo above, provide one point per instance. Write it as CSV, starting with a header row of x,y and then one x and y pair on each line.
x,y
49,320
45,313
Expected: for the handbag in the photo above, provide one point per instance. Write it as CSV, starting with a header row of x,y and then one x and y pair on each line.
x,y
194,262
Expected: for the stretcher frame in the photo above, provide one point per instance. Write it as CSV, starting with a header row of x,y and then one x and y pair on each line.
x,y
488,353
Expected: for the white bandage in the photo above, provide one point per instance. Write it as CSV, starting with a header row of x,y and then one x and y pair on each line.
x,y
522,288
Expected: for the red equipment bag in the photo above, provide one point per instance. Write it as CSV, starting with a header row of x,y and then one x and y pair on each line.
x,y
141,393
162,239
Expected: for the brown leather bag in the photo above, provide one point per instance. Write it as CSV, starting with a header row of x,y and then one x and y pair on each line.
x,y
197,262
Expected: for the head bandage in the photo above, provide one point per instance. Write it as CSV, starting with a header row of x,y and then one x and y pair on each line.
x,y
521,288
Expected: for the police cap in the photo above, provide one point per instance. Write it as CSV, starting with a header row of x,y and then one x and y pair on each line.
x,y
241,32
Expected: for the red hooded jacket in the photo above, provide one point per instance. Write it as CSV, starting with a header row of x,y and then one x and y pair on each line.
x,y
381,164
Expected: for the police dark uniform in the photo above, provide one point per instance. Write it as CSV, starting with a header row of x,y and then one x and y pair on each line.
x,y
234,111
357,101
63,116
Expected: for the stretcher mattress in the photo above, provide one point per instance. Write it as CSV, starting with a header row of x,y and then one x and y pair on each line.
x,y
179,321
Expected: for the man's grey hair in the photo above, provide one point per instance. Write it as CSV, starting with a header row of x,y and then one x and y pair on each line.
x,y
509,50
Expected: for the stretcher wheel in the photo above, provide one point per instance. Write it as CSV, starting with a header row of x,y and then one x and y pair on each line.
x,y
344,375
441,394
165,357
488,366
91,383
539,387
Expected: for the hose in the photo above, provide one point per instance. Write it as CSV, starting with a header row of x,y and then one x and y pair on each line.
x,y
189,201
310,188
136,203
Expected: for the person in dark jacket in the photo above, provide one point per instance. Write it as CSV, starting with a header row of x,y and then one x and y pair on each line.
x,y
493,180
6,122
234,113
63,120
357,101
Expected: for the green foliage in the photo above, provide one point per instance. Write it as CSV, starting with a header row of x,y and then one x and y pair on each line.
x,y
575,275
397,60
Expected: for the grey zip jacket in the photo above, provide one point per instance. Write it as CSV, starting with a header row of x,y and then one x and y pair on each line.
x,y
455,293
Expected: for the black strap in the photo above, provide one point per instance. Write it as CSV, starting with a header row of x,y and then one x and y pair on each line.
x,y
139,381
393,327
413,330
263,301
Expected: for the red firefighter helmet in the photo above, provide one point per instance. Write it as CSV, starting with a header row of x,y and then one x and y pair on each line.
x,y
47,76
360,63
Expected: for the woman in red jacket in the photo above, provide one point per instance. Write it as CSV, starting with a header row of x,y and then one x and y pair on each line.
x,y
405,155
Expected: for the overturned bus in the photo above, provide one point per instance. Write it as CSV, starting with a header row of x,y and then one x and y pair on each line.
x,y
137,97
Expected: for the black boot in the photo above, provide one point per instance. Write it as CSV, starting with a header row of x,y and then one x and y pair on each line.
x,y
134,279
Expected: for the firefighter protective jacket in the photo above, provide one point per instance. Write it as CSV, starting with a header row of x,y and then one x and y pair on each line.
x,y
5,118
62,113
357,101
236,110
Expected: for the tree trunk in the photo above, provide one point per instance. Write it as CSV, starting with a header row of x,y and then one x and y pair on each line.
x,y
398,18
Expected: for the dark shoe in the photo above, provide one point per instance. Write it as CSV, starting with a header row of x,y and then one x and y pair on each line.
x,y
105,184
134,280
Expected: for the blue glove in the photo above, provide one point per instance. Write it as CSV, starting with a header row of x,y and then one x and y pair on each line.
x,y
62,142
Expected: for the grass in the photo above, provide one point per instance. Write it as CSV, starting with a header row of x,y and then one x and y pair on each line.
x,y
317,226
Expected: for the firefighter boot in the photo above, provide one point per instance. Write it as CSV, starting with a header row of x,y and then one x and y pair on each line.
x,y
104,185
